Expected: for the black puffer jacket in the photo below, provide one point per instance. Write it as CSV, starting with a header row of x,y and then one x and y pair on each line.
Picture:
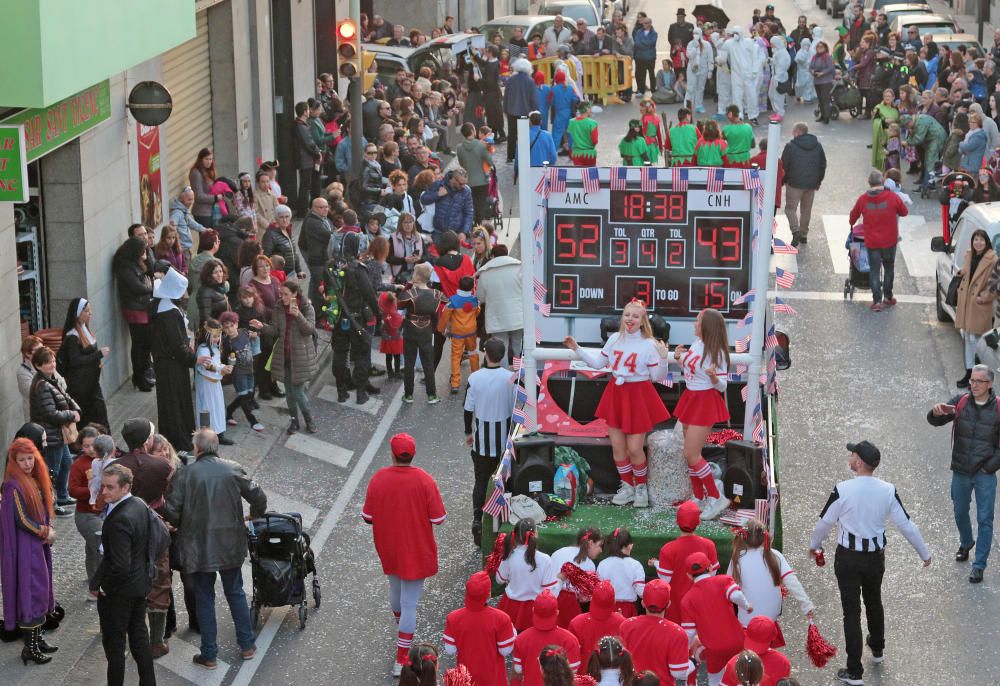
x,y
135,287
51,407
212,302
975,435
277,242
804,162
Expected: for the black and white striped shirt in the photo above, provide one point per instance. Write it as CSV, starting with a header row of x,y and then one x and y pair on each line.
x,y
862,507
489,402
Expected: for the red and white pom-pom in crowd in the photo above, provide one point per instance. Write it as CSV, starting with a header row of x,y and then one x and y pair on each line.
x,y
818,648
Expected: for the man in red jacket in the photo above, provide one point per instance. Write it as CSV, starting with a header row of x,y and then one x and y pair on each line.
x,y
881,210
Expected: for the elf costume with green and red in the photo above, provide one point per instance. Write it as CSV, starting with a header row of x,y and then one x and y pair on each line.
x,y
682,140
582,131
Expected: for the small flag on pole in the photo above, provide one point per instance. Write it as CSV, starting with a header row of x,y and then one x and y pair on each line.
x,y
751,179
771,341
591,180
518,416
741,369
783,278
744,391
516,366
544,308
497,505
783,307
619,177
540,290
648,179
747,320
679,179
742,344
542,187
782,248
716,179
538,230
758,425
746,297
557,180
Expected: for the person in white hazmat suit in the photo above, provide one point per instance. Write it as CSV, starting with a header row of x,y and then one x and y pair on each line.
x,y
744,64
780,63
699,54
723,79
804,88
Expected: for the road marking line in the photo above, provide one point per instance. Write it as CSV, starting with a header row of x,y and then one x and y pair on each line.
x,y
839,295
321,450
330,521
372,407
279,502
915,246
178,661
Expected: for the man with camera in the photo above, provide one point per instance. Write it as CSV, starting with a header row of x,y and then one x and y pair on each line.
x,y
975,458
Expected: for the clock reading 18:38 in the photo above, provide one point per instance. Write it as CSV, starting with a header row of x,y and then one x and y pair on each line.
x,y
663,207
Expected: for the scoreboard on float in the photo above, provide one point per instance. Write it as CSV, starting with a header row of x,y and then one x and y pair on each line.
x,y
679,251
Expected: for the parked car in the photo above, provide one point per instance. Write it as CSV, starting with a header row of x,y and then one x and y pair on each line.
x,y
389,60
953,40
531,23
891,12
984,216
925,24
879,4
571,10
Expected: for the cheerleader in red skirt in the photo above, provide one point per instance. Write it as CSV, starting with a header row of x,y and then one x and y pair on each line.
x,y
522,570
630,405
624,572
702,405
589,544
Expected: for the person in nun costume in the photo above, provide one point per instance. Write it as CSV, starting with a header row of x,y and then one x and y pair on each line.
x,y
80,361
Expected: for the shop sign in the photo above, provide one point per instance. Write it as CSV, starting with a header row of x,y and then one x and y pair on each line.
x,y
13,165
47,128
150,191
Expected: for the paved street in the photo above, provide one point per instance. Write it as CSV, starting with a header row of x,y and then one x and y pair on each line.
x,y
855,374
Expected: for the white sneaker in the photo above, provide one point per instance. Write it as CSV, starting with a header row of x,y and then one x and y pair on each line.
x,y
397,669
641,496
258,427
702,503
625,494
714,507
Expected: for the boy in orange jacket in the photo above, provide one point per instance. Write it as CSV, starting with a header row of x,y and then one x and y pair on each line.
x,y
458,320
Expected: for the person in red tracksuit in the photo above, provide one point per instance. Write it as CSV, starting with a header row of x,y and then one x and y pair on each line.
x,y
543,632
761,632
601,621
480,635
657,643
670,565
881,209
707,612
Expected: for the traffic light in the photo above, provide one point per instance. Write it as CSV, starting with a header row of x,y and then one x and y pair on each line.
x,y
348,48
368,72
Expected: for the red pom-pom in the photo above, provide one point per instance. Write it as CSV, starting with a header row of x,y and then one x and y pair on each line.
x,y
584,680
784,592
458,676
818,648
723,436
493,561
583,581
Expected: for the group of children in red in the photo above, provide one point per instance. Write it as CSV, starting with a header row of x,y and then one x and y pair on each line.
x,y
687,613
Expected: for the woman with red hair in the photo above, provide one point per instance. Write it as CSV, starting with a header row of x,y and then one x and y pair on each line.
x,y
26,537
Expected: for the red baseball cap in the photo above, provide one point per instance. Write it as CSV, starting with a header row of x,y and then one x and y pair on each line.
x,y
698,564
403,447
602,600
545,611
761,632
477,591
688,516
656,596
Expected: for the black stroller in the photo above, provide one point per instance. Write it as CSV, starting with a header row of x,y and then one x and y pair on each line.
x,y
280,560
845,97
859,268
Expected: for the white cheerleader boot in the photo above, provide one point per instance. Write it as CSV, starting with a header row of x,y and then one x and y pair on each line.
x,y
714,507
625,494
641,496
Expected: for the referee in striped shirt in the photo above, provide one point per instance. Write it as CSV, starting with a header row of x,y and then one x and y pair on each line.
x,y
862,507
489,402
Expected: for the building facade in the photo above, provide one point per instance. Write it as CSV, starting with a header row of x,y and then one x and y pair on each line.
x,y
234,69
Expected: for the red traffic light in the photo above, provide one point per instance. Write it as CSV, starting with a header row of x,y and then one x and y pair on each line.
x,y
347,30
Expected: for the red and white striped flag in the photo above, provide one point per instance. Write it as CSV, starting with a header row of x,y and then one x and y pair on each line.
x,y
538,230
542,188
760,508
771,340
648,179
744,392
540,291
783,307
516,365
716,179
779,247
751,179
758,425
544,308
742,344
619,177
679,179
783,278
591,180
557,180
747,297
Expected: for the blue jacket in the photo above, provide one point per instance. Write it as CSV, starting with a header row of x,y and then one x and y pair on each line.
x,y
520,97
543,149
973,150
645,45
453,211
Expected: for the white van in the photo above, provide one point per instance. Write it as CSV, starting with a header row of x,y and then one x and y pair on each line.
x,y
984,216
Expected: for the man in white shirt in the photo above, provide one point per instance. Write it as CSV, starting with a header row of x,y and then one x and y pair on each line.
x,y
861,508
556,35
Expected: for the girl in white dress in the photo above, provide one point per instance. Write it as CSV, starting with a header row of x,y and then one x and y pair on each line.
x,y
208,380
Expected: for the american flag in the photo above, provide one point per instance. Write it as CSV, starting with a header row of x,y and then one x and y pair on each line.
x,y
516,366
542,188
520,395
741,369
771,341
544,308
669,381
783,307
745,391
538,335
619,177
504,470
742,344
716,178
746,297
783,278
518,416
758,425
557,180
540,291
648,178
591,180
497,505
747,320
782,248
538,230
751,179
679,179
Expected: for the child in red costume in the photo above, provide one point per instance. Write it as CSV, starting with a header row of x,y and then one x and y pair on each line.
x,y
657,643
707,611
391,342
630,405
543,632
480,635
761,631
602,620
670,565
702,405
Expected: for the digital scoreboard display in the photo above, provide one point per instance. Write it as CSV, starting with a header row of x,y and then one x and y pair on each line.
x,y
679,251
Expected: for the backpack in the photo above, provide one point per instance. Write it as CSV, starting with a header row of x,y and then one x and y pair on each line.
x,y
159,542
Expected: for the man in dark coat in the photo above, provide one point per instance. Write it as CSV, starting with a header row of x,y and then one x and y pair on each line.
x,y
150,475
121,581
805,166
490,86
307,156
519,100
206,506
315,237
680,30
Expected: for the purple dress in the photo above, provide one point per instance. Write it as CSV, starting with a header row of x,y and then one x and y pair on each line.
x,y
25,563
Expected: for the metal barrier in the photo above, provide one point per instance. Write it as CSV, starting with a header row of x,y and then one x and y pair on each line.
x,y
604,76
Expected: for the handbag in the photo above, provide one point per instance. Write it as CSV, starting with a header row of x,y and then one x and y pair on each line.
x,y
785,87
69,433
952,297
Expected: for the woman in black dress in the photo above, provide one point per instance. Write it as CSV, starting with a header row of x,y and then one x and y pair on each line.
x,y
135,289
173,358
80,361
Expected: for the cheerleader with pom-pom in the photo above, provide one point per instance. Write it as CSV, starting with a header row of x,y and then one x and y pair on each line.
x,y
702,405
630,405
522,569
624,572
422,668
589,543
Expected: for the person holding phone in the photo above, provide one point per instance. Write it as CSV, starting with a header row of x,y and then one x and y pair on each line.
x,y
975,458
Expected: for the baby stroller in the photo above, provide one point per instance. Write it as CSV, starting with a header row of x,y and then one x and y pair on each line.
x,y
845,97
859,269
280,560
494,203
